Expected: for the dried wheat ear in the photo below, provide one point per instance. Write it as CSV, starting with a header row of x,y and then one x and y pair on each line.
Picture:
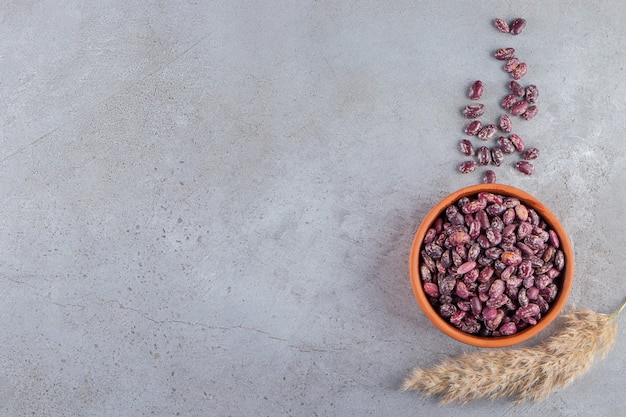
x,y
522,374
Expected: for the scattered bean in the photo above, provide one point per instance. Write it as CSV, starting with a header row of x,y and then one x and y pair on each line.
x,y
519,71
504,54
517,26
531,153
511,64
505,124
467,167
508,101
532,93
517,88
530,113
476,90
518,108
525,167
474,110
489,177
502,25
487,132
473,128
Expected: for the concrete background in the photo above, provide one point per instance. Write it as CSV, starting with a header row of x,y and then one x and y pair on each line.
x,y
207,206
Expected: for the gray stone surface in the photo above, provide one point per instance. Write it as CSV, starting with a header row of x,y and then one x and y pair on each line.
x,y
207,207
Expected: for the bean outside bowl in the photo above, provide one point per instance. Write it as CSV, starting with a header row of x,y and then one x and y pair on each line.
x,y
564,282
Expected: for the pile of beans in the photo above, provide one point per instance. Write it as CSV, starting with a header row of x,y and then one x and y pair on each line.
x,y
520,101
490,265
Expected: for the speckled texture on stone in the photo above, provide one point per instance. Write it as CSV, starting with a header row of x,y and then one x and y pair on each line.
x,y
207,207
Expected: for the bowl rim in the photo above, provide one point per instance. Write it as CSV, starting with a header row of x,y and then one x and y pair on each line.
x,y
501,341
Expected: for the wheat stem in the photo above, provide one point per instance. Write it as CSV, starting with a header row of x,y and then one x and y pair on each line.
x,y
619,310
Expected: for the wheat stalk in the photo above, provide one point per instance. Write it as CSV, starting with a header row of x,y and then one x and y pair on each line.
x,y
528,373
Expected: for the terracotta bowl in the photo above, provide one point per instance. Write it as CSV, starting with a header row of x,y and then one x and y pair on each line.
x,y
564,282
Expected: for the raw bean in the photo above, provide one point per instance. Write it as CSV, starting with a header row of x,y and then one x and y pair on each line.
x,y
530,113
487,132
496,289
495,210
485,274
519,71
473,206
476,90
522,297
493,324
489,177
447,310
508,329
498,302
497,156
504,54
457,318
531,153
483,218
446,285
459,238
490,198
506,145
505,124
430,235
425,274
517,88
517,26
532,93
548,254
453,216
511,64
518,108
550,292
473,252
457,260
554,239
471,276
467,148
494,236
474,228
431,289
511,258
474,111
508,101
524,229
433,250
484,155
521,212
473,128
476,306
517,142
427,260
559,260
534,217
493,253
532,293
511,202
465,268
525,167
509,230
543,304
467,167
531,310
489,313
502,25
461,290
470,325
507,218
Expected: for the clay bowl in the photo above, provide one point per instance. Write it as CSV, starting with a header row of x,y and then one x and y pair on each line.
x,y
564,282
